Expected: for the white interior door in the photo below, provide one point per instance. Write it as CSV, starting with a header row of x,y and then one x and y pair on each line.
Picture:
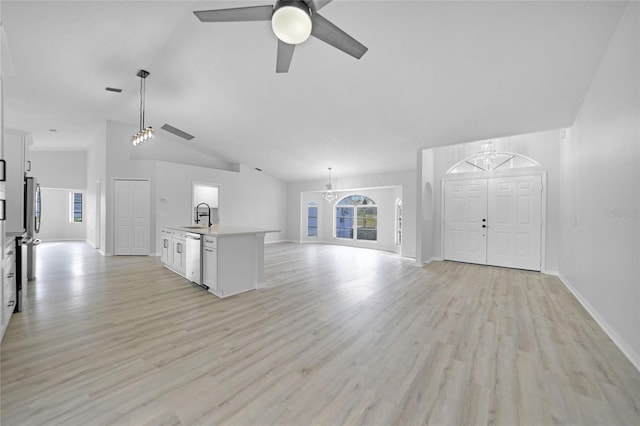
x,y
132,199
515,222
465,216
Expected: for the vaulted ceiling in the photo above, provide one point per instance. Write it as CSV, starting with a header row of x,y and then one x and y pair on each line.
x,y
436,73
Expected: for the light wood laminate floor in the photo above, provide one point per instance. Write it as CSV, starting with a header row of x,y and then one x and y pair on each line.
x,y
337,336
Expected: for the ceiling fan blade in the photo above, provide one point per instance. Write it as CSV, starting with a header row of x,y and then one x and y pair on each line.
x,y
285,53
330,34
237,14
319,4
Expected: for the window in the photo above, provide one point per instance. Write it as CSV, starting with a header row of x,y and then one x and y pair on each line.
x,y
312,220
357,218
75,209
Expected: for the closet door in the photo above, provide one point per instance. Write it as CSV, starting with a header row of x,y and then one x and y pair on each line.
x,y
515,222
132,217
465,219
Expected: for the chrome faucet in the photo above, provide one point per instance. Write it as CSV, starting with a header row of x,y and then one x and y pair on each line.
x,y
208,214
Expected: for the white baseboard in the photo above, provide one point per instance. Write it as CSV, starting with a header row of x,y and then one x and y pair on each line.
x,y
432,259
278,241
619,342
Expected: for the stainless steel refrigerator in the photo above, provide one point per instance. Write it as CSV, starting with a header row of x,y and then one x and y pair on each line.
x,y
32,213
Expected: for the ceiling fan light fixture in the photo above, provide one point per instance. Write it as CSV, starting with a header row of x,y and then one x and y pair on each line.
x,y
291,21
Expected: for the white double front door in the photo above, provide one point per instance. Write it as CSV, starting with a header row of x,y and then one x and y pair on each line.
x,y
494,221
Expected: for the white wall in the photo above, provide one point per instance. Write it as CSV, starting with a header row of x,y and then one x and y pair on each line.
x,y
405,179
60,169
246,198
120,166
544,147
95,194
385,199
599,188
55,224
59,172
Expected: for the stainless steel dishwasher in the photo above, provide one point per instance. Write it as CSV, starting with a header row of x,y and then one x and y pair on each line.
x,y
193,254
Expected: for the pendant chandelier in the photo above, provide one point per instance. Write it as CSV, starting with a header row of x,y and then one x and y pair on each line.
x,y
488,154
145,133
329,195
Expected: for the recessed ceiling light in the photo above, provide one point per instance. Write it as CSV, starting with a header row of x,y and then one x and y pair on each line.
x,y
113,89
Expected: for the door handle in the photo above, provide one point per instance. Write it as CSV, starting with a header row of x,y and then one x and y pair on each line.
x,y
484,226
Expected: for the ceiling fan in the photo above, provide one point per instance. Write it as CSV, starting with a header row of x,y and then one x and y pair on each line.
x,y
293,21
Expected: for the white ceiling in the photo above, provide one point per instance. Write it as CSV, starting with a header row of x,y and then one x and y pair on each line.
x,y
436,73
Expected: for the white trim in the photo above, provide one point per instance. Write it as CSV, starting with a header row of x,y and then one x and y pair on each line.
x,y
113,211
535,163
543,227
619,341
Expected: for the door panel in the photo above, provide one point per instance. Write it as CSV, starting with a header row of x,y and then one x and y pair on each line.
x,y
132,199
512,207
515,222
465,206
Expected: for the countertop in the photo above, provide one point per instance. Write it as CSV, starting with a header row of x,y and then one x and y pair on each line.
x,y
221,230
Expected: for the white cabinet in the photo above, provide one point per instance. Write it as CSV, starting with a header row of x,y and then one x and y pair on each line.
x,y
210,263
165,240
173,250
179,260
8,285
231,258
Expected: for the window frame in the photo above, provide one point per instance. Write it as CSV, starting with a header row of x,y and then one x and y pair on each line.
x,y
73,218
310,206
354,218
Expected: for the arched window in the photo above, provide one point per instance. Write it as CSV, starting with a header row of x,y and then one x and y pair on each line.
x,y
357,218
312,219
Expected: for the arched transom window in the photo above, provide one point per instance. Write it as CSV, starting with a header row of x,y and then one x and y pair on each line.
x,y
357,218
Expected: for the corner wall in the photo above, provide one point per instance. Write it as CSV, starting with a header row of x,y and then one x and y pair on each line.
x,y
96,216
599,192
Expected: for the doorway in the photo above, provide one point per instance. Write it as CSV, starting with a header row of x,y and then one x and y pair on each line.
x,y
494,221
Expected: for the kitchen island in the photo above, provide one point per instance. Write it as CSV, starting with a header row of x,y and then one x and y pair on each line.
x,y
224,259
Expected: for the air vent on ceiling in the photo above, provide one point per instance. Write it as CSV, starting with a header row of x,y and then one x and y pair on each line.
x,y
113,89
177,132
